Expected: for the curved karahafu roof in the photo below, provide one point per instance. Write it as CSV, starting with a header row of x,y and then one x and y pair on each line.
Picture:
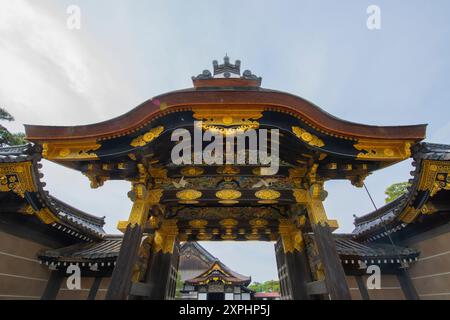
x,y
427,198
188,99
310,141
224,88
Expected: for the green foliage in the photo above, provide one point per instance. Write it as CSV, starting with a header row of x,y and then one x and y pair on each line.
x,y
396,190
5,115
7,138
179,286
268,286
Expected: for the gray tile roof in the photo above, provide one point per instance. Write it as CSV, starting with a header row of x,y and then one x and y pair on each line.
x,y
84,224
109,248
387,217
16,154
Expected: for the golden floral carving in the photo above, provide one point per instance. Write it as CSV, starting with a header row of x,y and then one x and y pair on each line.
x,y
165,236
267,194
228,170
154,196
253,236
192,171
300,195
383,149
291,237
435,177
158,173
228,223
307,137
258,223
148,137
16,178
203,236
228,194
68,151
198,223
229,120
188,196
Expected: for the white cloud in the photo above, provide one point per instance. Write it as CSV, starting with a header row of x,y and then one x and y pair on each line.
x,y
52,75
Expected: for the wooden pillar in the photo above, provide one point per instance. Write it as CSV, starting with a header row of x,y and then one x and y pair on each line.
x,y
94,288
120,285
295,260
53,285
281,267
362,287
143,199
158,274
335,278
408,288
300,274
173,276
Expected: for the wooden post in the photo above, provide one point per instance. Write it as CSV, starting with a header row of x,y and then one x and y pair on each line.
x,y
143,199
335,278
159,269
408,288
281,268
53,285
299,274
293,259
94,288
158,277
362,288
120,285
173,275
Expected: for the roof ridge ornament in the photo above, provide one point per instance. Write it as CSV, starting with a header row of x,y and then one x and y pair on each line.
x,y
227,71
227,68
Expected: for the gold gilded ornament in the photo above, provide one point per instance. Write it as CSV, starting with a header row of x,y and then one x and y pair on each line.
x,y
67,151
228,170
383,149
188,196
148,137
307,137
198,223
267,194
192,171
228,196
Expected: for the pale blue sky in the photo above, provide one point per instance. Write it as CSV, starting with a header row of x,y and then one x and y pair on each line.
x,y
129,51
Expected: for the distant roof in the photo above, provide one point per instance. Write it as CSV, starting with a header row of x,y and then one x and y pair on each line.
x,y
196,247
195,260
220,272
267,295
